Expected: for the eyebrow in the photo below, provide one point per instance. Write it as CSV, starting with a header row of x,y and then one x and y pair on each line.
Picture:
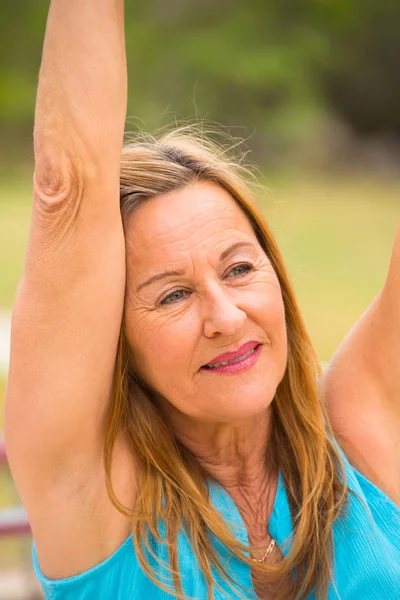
x,y
164,274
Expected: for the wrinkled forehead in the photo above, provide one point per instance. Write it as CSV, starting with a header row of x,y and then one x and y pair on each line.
x,y
200,218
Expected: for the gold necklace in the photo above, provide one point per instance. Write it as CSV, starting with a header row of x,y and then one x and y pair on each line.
x,y
268,552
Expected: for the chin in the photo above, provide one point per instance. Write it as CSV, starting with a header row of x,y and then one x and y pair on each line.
x,y
241,410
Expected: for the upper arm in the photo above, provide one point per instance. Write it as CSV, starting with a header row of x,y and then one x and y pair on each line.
x,y
64,334
65,329
362,386
74,524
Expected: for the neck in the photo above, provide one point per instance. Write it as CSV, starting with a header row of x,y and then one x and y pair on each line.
x,y
237,455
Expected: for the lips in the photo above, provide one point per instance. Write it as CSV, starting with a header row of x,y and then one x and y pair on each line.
x,y
231,356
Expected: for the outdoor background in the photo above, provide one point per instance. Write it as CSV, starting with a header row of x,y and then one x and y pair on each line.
x,y
313,87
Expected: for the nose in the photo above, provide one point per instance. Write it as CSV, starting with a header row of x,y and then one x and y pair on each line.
x,y
221,314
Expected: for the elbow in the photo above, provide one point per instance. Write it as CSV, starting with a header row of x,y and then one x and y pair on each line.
x,y
63,169
57,181
57,200
60,183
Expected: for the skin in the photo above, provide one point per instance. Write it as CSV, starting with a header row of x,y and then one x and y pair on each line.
x,y
177,324
67,316
213,307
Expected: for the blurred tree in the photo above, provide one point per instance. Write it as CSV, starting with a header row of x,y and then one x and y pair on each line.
x,y
22,29
361,79
268,68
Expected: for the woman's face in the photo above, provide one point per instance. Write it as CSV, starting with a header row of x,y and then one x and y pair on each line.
x,y
199,285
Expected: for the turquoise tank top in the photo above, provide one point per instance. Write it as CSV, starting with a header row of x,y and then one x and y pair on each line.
x,y
366,567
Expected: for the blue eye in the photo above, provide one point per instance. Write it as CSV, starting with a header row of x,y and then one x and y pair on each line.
x,y
173,297
243,267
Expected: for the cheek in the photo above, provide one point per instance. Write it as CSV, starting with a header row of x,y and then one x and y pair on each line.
x,y
265,304
271,317
278,317
279,334
162,345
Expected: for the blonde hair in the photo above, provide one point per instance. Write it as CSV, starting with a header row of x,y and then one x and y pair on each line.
x,y
171,483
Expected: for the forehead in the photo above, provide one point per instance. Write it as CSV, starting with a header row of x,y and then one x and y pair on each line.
x,y
200,217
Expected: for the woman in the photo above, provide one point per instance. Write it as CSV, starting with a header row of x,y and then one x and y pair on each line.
x,y
174,401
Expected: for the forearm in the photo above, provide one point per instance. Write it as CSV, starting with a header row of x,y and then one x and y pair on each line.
x,y
81,98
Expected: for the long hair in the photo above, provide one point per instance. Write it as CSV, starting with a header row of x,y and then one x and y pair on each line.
x,y
172,485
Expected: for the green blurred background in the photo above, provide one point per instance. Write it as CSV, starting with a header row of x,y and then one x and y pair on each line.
x,y
314,89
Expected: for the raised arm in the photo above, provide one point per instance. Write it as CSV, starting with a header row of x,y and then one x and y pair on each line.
x,y
363,387
67,314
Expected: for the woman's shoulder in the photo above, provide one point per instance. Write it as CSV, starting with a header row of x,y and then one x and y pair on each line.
x,y
121,576
118,577
104,578
369,506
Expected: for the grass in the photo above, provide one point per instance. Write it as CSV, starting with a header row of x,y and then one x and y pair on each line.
x,y
15,211
336,235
